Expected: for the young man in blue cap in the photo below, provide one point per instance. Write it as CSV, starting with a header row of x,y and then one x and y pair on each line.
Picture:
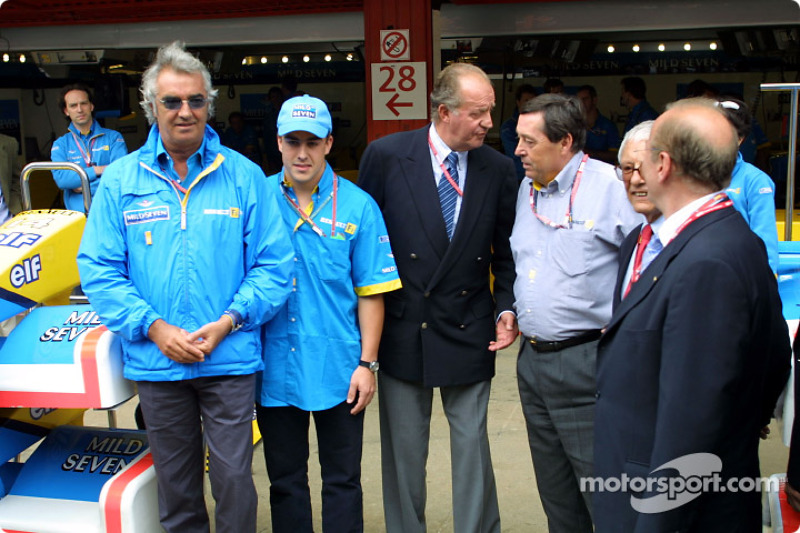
x,y
321,349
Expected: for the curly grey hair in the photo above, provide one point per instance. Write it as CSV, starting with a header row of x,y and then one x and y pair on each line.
x,y
175,57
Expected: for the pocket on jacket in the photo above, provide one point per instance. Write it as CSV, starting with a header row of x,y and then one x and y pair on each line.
x,y
335,264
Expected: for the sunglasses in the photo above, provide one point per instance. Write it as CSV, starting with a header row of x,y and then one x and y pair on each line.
x,y
173,103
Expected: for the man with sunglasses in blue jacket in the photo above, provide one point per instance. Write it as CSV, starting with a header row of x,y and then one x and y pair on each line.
x,y
182,258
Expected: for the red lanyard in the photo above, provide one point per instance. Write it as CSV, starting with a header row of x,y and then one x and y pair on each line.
x,y
445,172
717,202
568,215
306,218
87,157
175,182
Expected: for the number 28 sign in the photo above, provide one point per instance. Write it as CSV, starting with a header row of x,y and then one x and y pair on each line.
x,y
399,91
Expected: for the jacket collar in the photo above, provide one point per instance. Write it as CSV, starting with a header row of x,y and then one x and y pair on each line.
x,y
660,264
93,130
154,147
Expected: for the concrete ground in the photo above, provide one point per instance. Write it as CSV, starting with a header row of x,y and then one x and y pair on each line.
x,y
520,509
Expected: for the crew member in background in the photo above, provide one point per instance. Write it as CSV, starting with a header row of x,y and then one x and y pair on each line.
x,y
86,144
508,130
634,98
602,136
321,349
241,137
9,171
752,191
553,86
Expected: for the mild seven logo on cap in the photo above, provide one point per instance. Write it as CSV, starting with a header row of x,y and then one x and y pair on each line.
x,y
304,111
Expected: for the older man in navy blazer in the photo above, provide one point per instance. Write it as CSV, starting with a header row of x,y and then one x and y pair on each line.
x,y
695,355
448,202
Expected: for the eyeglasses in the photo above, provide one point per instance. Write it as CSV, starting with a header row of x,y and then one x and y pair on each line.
x,y
626,172
174,103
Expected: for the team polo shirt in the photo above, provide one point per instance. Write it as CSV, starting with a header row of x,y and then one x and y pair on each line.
x,y
312,346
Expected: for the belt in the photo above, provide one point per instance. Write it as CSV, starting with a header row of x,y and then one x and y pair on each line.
x,y
556,346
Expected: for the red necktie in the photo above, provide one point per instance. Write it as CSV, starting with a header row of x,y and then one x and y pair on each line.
x,y
644,238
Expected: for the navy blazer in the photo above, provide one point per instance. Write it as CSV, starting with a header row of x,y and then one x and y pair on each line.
x,y
692,361
438,327
793,469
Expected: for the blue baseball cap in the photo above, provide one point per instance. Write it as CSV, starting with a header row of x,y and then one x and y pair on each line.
x,y
305,113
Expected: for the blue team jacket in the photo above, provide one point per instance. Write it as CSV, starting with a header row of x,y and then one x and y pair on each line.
x,y
102,147
151,252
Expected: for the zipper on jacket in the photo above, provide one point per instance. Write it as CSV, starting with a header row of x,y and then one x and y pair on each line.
x,y
185,200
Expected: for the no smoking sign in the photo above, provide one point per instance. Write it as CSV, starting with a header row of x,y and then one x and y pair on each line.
x,y
395,46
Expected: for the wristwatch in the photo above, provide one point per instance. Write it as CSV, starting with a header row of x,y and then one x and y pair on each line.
x,y
236,319
372,365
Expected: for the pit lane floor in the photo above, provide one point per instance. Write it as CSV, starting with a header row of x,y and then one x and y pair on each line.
x,y
520,509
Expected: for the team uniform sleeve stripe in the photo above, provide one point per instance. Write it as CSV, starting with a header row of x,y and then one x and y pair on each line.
x,y
378,288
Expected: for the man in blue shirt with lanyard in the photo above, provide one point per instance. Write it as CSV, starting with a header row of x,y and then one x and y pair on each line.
x,y
572,216
86,144
321,349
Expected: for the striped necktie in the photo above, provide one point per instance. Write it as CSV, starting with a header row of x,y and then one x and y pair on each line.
x,y
448,194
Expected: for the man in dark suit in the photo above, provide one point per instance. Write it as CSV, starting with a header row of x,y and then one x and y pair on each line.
x,y
448,202
695,355
793,469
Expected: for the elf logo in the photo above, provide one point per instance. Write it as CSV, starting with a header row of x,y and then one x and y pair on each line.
x,y
26,272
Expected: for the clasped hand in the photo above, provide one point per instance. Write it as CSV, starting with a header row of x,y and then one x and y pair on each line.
x,y
184,347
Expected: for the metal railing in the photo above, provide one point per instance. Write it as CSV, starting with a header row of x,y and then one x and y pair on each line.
x,y
53,165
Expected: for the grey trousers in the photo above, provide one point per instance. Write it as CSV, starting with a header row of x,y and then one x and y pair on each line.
x,y
405,414
172,413
557,391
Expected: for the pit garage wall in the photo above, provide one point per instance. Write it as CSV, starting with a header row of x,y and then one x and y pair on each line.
x,y
465,18
46,120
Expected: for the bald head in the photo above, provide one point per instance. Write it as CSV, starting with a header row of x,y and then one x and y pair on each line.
x,y
700,142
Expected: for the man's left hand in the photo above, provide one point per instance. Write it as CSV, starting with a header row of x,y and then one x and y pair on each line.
x,y
209,336
506,332
362,386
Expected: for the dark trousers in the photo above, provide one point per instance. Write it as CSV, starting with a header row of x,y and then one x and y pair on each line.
x,y
177,415
339,437
557,393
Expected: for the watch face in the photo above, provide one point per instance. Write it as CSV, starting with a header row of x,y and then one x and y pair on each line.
x,y
372,365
